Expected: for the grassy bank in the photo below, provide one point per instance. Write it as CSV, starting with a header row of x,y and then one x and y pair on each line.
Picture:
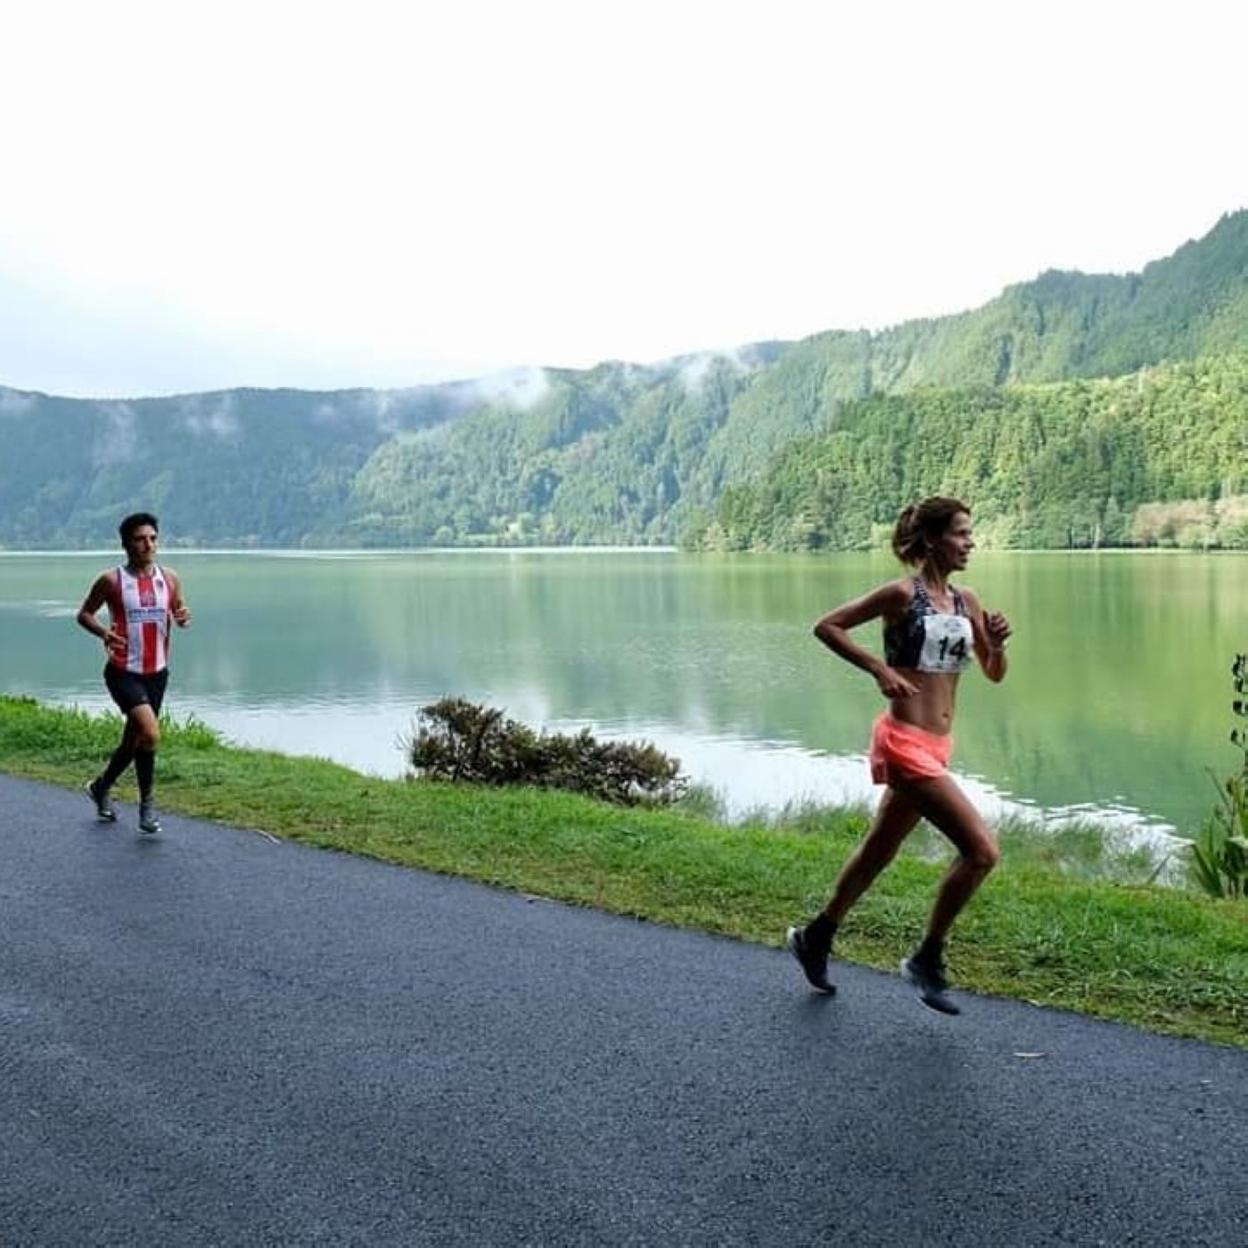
x,y
1161,958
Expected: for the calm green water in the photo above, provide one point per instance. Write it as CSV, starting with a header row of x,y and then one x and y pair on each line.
x,y
1117,700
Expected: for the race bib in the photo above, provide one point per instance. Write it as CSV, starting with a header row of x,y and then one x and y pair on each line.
x,y
946,643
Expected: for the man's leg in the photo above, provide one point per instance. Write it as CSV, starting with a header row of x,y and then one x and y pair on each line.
x,y
99,789
121,758
145,727
122,688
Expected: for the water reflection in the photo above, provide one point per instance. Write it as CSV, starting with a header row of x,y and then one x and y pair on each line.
x,y
1117,702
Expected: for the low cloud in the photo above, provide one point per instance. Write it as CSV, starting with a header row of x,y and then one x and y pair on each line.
x,y
117,440
520,388
385,408
216,420
693,370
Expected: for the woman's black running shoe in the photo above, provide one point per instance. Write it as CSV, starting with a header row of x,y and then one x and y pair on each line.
x,y
814,962
933,987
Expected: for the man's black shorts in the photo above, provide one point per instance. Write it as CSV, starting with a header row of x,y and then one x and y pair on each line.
x,y
131,689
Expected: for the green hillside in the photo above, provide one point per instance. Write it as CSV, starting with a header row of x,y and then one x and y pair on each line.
x,y
249,467
1158,457
626,453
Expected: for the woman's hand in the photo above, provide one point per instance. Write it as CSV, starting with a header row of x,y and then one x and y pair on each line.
x,y
894,685
998,629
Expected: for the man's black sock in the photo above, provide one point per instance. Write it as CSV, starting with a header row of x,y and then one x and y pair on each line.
x,y
931,952
121,759
145,771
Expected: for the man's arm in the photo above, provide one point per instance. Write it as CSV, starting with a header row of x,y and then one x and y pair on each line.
x,y
177,603
96,597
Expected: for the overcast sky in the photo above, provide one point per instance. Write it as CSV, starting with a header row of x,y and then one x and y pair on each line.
x,y
327,195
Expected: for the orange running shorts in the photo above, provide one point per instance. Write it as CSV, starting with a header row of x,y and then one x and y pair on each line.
x,y
903,752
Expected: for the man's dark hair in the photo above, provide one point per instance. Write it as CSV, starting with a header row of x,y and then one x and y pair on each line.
x,y
130,523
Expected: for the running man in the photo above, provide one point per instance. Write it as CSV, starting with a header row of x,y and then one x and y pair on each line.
x,y
141,599
931,633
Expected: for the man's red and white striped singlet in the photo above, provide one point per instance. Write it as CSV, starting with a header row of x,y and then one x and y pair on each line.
x,y
139,607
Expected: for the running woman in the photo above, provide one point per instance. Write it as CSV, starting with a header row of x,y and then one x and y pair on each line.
x,y
142,598
931,633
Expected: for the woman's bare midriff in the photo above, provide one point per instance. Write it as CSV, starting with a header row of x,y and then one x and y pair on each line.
x,y
931,708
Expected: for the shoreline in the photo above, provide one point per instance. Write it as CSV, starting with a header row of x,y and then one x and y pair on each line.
x,y
337,552
819,780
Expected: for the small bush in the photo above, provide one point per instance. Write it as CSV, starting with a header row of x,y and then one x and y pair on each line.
x,y
460,740
1220,852
192,733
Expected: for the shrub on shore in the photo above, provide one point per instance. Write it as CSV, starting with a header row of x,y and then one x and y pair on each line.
x,y
1220,852
461,740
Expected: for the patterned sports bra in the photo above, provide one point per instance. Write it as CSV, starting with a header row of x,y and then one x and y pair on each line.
x,y
928,640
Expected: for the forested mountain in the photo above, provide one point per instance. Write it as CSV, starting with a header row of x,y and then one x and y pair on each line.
x,y
1156,457
239,466
620,453
626,453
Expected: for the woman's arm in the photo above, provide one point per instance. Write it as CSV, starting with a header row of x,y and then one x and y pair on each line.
x,y
888,601
992,633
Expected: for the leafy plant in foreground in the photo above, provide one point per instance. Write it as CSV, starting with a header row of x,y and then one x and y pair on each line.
x,y
1220,852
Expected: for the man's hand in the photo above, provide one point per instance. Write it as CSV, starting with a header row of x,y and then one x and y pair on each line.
x,y
114,642
181,614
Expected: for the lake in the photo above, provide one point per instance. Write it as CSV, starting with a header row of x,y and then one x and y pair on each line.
x,y
1116,705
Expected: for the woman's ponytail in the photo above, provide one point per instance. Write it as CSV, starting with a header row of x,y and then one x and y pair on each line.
x,y
903,534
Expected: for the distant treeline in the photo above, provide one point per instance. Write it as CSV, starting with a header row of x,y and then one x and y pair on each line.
x,y
1157,458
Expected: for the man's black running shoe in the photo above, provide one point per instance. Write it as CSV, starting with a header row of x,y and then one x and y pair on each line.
x,y
105,812
148,820
933,987
814,962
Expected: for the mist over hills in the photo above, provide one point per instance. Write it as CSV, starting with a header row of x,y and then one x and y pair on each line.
x,y
633,453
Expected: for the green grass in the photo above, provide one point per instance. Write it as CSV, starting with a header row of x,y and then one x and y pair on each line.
x,y
1162,958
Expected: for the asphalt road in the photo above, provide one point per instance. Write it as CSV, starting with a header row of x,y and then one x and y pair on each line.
x,y
213,1039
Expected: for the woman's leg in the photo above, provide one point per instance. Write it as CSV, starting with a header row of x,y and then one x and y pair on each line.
x,y
947,808
894,821
810,945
